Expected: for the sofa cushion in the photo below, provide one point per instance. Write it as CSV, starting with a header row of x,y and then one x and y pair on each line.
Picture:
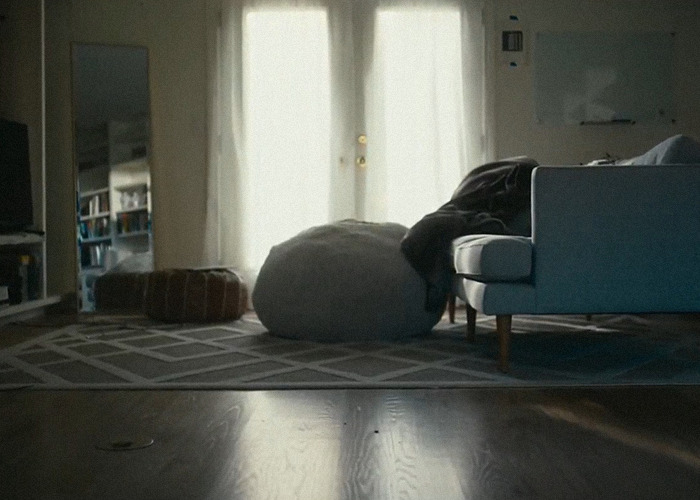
x,y
486,257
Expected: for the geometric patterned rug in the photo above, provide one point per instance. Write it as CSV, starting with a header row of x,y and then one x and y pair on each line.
x,y
133,352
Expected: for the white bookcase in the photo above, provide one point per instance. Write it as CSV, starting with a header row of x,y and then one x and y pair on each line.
x,y
25,252
130,185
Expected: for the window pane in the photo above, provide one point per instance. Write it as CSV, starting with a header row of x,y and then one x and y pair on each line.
x,y
418,58
286,92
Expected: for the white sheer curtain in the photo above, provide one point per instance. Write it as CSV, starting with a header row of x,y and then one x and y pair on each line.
x,y
415,111
294,83
286,118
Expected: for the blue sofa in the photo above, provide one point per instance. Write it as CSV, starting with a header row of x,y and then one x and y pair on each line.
x,y
605,239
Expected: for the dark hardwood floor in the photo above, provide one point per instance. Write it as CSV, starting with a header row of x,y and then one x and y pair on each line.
x,y
564,443
617,443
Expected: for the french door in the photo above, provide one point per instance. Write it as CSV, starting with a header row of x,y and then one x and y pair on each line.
x,y
287,110
352,109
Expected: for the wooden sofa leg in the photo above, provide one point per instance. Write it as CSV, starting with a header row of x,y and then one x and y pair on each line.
x,y
471,323
503,325
451,306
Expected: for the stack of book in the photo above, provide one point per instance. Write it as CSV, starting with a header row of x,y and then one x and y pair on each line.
x,y
95,204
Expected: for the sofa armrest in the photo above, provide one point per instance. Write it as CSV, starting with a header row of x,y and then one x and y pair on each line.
x,y
616,238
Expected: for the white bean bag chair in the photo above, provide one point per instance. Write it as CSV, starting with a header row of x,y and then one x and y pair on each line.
x,y
346,281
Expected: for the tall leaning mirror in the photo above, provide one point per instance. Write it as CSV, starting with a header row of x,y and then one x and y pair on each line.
x,y
113,180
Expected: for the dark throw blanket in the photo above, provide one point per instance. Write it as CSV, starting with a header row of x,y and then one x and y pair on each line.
x,y
492,199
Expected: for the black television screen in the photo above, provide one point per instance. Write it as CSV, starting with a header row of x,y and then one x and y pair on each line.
x,y
16,212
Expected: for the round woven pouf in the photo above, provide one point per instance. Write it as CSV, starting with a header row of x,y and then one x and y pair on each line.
x,y
195,295
346,281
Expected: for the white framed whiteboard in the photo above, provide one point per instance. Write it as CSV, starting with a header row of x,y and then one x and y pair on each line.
x,y
603,77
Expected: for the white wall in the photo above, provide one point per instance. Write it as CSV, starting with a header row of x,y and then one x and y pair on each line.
x,y
174,32
517,133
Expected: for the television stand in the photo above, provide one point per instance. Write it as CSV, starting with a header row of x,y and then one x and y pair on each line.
x,y
30,295
34,231
21,238
28,309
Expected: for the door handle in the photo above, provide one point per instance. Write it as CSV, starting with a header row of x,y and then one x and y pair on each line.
x,y
361,161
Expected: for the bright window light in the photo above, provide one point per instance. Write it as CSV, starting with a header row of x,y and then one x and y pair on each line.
x,y
418,59
286,96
